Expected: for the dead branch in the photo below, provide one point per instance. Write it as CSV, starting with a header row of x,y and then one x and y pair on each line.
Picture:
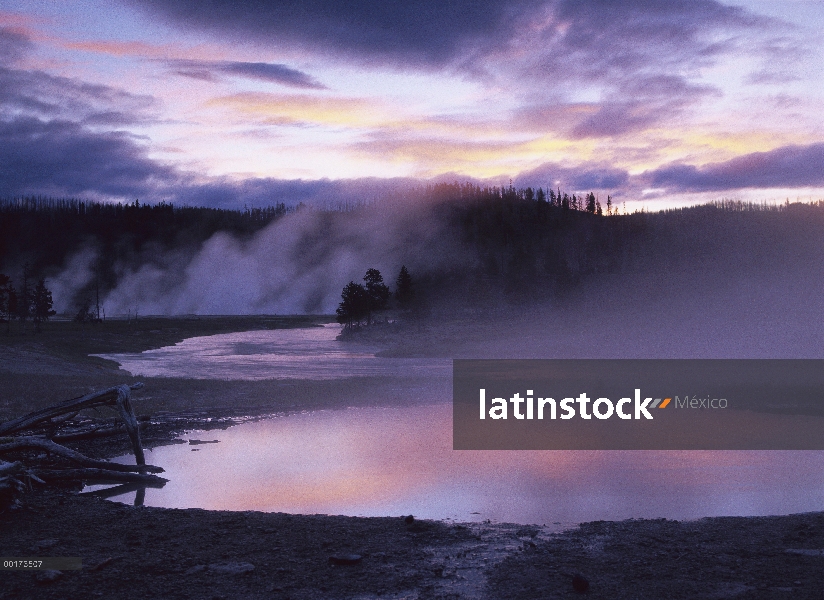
x,y
121,489
98,475
94,431
107,397
39,430
73,455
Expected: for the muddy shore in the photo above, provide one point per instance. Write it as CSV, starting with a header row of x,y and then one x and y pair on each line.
x,y
143,552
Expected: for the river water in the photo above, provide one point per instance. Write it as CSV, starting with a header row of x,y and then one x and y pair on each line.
x,y
381,461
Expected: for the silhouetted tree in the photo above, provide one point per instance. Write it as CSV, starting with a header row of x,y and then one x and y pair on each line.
x,y
24,296
353,306
11,307
404,292
41,304
541,196
377,293
590,206
5,287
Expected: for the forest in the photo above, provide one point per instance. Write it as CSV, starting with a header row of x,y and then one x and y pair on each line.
x,y
484,245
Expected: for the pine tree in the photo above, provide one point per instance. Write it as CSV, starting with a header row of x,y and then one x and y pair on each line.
x,y
404,292
5,290
24,296
590,206
11,307
377,294
353,306
41,304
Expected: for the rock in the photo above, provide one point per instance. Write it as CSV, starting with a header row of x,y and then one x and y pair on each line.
x,y
345,560
580,583
195,569
409,520
805,551
43,545
233,568
48,575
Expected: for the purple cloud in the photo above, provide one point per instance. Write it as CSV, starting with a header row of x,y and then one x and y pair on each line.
x,y
789,166
413,33
584,177
64,158
274,73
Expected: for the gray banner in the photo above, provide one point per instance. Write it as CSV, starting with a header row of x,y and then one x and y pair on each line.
x,y
41,563
638,404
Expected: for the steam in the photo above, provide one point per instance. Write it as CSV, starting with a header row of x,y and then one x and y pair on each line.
x,y
296,265
708,285
74,278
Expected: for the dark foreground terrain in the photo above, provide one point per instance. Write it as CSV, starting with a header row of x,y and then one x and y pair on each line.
x,y
143,552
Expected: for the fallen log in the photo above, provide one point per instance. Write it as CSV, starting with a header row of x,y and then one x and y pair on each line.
x,y
94,432
42,429
107,397
101,476
118,397
121,489
81,459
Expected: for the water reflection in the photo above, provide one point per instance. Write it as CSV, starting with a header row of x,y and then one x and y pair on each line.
x,y
394,461
311,353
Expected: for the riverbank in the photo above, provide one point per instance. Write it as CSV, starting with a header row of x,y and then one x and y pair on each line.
x,y
144,552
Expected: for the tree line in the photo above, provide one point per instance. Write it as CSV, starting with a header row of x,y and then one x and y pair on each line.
x,y
508,243
46,232
25,301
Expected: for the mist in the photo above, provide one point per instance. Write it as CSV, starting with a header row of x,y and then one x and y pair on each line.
x,y
502,277
296,265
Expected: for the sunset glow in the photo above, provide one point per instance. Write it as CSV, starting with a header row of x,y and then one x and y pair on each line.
x,y
665,103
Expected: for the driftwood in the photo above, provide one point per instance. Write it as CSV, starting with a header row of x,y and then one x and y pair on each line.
x,y
43,429
107,397
125,488
93,431
96,475
72,455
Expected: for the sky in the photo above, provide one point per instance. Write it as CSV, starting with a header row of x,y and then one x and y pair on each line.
x,y
658,103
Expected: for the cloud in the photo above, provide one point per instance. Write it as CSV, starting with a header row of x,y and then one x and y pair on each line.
x,y
610,69
581,178
48,140
414,33
274,73
35,93
13,45
64,158
305,109
787,167
38,94
594,37
322,193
